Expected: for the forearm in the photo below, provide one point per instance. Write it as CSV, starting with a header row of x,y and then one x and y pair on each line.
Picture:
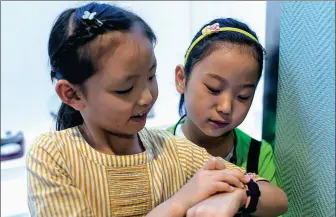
x,y
169,208
272,201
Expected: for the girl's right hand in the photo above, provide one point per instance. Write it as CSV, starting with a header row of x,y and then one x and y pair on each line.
x,y
211,179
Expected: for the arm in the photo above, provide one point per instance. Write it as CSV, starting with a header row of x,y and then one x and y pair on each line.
x,y
272,202
170,208
50,189
209,180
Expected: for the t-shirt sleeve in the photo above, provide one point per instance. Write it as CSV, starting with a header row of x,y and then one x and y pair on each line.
x,y
266,163
51,191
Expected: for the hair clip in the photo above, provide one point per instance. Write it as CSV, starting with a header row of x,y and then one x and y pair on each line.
x,y
211,29
91,16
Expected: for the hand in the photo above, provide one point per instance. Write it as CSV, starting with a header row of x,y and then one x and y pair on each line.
x,y
220,205
209,180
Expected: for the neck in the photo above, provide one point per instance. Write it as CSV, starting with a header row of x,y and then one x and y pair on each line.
x,y
216,146
111,143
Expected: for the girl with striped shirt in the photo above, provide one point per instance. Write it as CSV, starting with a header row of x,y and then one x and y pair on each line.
x,y
101,161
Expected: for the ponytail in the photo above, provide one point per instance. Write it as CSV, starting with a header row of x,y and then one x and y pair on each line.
x,y
68,117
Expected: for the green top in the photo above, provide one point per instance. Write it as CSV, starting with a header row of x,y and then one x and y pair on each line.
x,y
266,166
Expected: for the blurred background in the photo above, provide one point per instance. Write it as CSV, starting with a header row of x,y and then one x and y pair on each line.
x,y
28,98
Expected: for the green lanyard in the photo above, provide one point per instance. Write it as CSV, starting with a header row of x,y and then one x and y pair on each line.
x,y
233,159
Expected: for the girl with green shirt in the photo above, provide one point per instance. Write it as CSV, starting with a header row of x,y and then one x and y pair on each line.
x,y
217,83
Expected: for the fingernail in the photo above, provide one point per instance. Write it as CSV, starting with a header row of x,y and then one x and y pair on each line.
x,y
247,178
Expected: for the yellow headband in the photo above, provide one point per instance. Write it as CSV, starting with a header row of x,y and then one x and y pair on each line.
x,y
208,30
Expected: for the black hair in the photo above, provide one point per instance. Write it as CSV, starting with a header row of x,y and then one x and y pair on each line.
x,y
211,42
70,54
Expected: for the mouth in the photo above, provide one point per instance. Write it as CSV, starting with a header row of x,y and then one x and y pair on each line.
x,y
140,117
219,123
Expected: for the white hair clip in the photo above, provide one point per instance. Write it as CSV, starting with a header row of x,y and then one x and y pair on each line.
x,y
91,16
88,15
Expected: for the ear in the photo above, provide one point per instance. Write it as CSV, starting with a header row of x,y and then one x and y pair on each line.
x,y
70,94
180,79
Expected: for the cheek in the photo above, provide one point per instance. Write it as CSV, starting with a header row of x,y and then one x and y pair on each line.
x,y
154,91
198,101
106,106
240,112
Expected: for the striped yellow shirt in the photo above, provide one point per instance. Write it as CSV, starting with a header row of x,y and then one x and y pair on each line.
x,y
66,177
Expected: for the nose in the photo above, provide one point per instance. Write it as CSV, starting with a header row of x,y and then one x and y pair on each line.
x,y
146,98
225,104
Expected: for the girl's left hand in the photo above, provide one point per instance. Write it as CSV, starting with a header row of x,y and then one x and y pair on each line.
x,y
220,205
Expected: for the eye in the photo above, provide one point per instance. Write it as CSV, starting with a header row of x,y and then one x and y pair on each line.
x,y
243,98
123,91
213,90
152,77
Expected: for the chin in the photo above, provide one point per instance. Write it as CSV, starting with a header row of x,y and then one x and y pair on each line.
x,y
136,129
212,133
126,132
215,132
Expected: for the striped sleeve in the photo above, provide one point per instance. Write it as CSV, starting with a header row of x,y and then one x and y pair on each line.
x,y
193,157
50,188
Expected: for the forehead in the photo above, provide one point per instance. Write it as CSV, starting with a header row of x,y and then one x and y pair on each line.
x,y
229,60
126,55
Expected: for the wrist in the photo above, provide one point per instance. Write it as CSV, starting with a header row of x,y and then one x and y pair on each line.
x,y
253,194
243,198
177,207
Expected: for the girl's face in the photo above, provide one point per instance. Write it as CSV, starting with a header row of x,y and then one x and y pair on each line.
x,y
219,92
119,96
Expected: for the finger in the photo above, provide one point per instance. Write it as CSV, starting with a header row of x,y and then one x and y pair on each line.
x,y
214,164
223,187
210,164
220,165
242,177
230,178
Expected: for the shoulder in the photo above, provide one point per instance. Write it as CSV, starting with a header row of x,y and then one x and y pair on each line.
x,y
266,147
50,145
243,139
244,143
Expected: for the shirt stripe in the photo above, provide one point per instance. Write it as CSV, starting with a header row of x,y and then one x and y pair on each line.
x,y
67,177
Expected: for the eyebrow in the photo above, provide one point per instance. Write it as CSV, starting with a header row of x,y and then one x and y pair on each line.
x,y
223,80
153,65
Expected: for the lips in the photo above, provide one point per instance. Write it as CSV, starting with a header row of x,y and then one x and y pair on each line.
x,y
139,115
219,123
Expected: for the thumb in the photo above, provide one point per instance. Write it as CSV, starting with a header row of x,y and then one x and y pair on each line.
x,y
214,164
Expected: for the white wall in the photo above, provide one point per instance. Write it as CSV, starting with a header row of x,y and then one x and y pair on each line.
x,y
27,92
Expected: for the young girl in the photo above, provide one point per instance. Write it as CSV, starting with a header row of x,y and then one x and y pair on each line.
x,y
101,161
222,68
